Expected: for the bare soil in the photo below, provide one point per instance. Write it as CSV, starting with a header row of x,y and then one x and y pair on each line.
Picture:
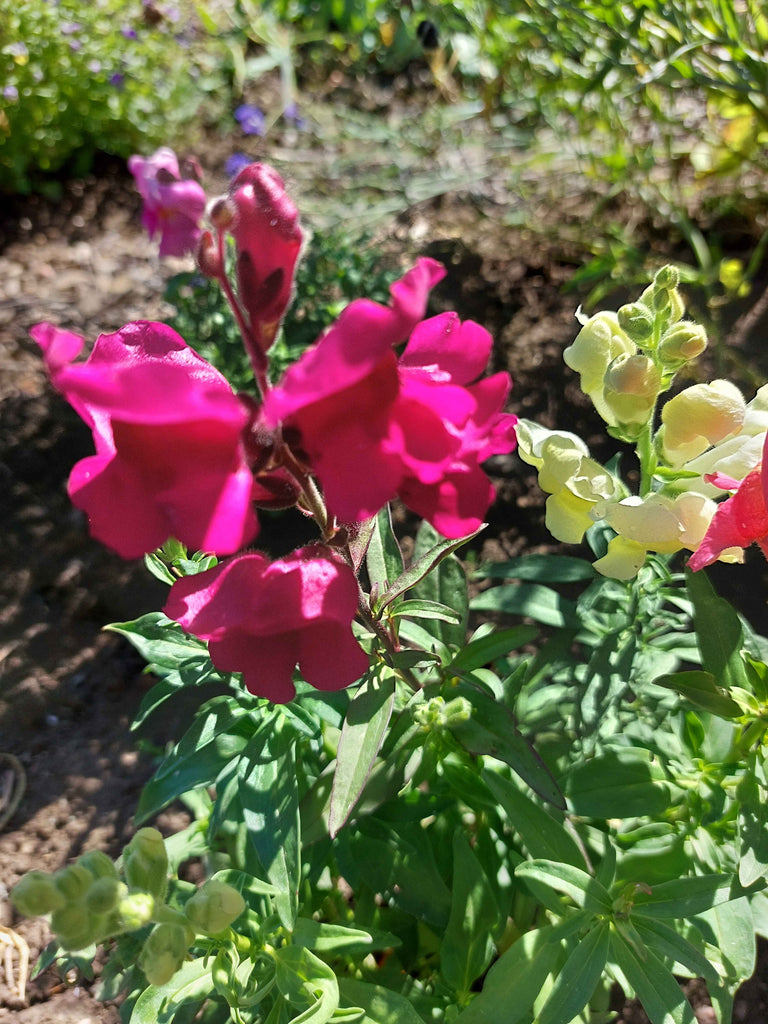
x,y
68,690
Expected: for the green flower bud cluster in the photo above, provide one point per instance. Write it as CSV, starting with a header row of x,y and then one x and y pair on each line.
x,y
628,358
439,714
89,902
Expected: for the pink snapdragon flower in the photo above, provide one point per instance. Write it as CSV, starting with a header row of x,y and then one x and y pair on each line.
x,y
371,426
169,459
263,618
739,521
268,238
173,206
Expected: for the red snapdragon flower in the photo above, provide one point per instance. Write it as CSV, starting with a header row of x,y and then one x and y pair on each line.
x,y
167,428
263,618
739,521
173,206
268,238
371,426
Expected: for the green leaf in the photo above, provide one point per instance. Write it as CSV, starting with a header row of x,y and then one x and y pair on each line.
x,y
582,888
383,559
544,837
539,569
467,945
159,640
660,995
246,884
578,978
684,897
426,610
425,561
442,579
531,600
486,649
729,927
491,729
516,979
701,689
666,942
718,631
753,830
218,735
307,983
191,984
616,785
381,1005
159,569
338,939
270,801
362,734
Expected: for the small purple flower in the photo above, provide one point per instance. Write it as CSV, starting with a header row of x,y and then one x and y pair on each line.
x,y
128,33
19,52
250,119
292,116
75,44
70,28
117,79
236,163
10,92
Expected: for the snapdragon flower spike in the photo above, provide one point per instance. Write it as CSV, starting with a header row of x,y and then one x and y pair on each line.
x,y
371,427
268,238
262,618
173,206
170,460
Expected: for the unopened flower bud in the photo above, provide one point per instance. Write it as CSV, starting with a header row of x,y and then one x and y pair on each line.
x,y
683,341
99,864
631,386
207,257
667,277
222,213
74,927
37,893
163,953
73,882
214,907
102,896
636,320
135,910
145,862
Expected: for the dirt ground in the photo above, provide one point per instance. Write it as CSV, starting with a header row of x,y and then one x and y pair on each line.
x,y
68,690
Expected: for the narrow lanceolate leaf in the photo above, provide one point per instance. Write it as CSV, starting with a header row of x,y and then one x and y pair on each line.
x,y
701,689
381,1005
517,977
718,631
487,649
383,558
422,567
753,831
467,945
583,889
362,734
269,797
159,640
530,599
686,897
578,978
655,987
543,835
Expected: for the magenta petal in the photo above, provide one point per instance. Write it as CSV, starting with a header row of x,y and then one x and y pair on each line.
x,y
446,346
347,665
738,522
59,347
113,498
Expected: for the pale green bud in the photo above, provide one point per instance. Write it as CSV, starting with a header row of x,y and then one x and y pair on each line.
x,y
103,895
135,910
163,953
99,864
636,320
145,863
36,893
667,277
74,927
683,341
73,882
630,388
214,907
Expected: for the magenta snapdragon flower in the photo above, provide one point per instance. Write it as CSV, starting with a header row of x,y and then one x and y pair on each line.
x,y
264,618
739,521
167,428
173,206
371,427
